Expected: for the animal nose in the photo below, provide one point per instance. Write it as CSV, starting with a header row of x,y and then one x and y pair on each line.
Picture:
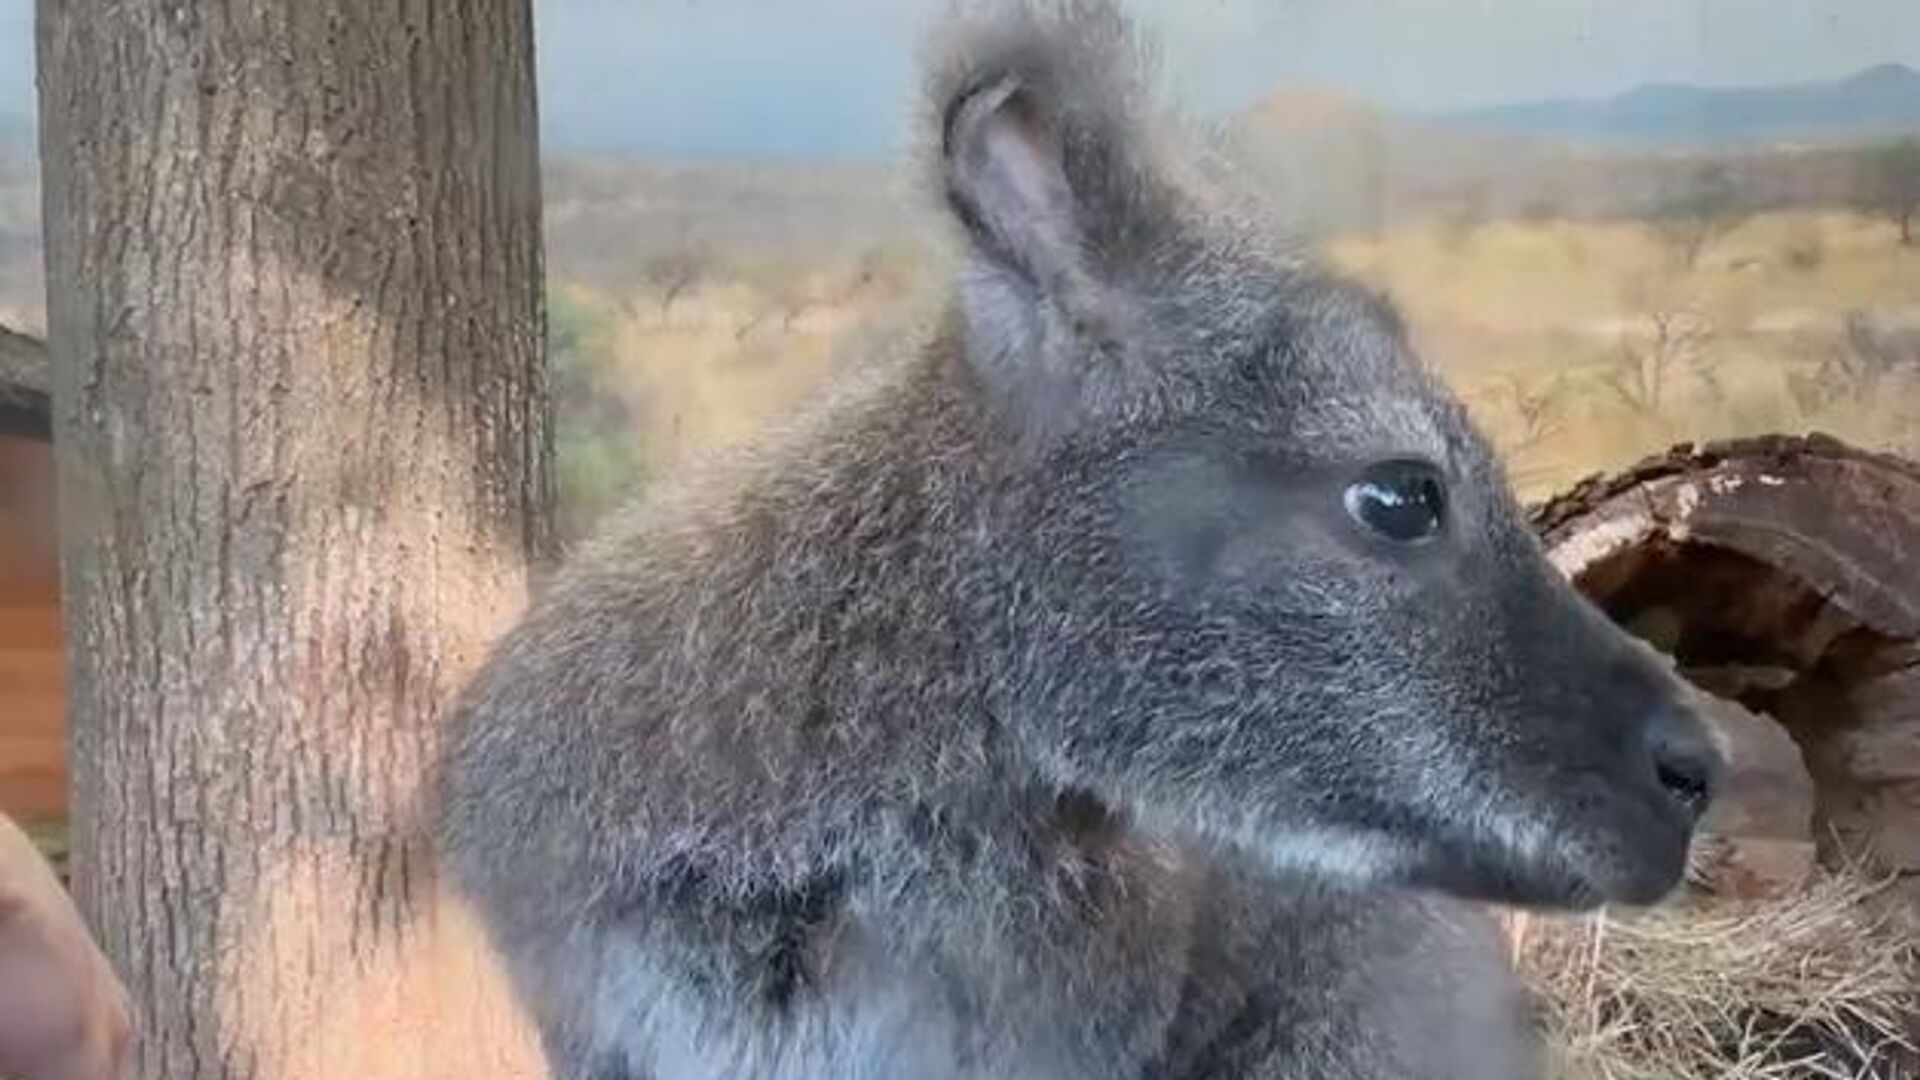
x,y
1685,760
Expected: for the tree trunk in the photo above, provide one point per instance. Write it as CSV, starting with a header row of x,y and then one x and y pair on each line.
x,y
294,305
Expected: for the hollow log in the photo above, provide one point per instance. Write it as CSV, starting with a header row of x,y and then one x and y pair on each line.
x,y
1782,574
1842,520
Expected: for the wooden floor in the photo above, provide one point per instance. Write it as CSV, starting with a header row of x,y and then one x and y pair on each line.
x,y
33,784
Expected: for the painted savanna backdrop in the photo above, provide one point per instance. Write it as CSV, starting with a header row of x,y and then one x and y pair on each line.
x,y
1614,227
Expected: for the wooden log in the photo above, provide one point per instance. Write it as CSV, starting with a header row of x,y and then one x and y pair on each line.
x,y
1778,572
1882,745
1768,793
1842,520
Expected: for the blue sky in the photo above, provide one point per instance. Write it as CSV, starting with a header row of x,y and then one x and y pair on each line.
x,y
784,78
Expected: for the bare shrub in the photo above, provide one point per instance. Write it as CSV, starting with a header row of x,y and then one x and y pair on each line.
x,y
1538,408
1805,251
1709,207
1859,368
672,273
1647,365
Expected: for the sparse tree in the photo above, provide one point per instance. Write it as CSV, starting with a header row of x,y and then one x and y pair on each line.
x,y
1890,185
1644,370
301,416
1538,407
671,274
1709,207
1859,369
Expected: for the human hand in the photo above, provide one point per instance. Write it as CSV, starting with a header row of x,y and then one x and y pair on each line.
x,y
63,1014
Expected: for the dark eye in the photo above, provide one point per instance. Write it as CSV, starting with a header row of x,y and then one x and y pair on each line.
x,y
1404,501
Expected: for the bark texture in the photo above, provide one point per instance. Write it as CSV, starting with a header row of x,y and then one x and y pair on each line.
x,y
301,418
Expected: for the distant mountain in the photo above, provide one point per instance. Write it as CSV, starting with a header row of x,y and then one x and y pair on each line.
x,y
1330,163
1325,160
1876,103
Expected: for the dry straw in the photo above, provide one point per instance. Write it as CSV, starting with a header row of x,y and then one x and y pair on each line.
x,y
1815,984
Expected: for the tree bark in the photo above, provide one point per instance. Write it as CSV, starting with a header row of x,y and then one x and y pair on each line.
x,y
294,306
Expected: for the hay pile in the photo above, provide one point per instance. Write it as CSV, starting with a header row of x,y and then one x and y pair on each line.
x,y
1818,983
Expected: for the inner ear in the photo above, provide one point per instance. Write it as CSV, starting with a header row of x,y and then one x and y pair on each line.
x,y
1007,182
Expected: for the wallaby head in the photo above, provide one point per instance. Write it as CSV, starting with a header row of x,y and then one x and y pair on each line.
x,y
1263,581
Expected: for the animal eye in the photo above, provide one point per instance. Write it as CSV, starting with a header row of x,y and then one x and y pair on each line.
x,y
1404,501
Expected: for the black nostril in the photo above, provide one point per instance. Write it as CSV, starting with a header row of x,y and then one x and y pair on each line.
x,y
1685,761
1691,787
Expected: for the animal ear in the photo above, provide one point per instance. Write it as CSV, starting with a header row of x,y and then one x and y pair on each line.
x,y
1041,166
1007,182
1039,140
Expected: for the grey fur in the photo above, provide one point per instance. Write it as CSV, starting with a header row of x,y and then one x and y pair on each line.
x,y
1039,711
